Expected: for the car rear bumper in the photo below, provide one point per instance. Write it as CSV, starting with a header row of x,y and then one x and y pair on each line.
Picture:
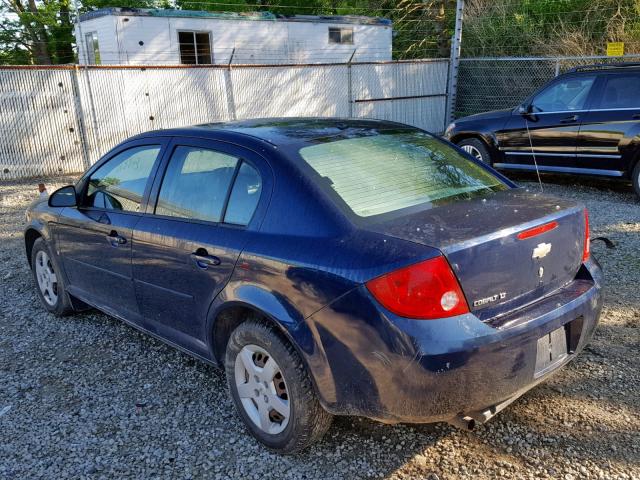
x,y
368,362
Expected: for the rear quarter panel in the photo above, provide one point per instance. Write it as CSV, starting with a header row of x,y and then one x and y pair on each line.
x,y
290,278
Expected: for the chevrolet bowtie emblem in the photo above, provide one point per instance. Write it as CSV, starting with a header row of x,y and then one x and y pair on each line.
x,y
541,251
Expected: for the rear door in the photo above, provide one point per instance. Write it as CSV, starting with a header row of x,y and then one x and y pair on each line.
x,y
551,129
95,237
604,144
186,247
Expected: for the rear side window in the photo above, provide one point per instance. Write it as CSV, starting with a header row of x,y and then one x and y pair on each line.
x,y
621,91
244,196
196,184
119,184
388,172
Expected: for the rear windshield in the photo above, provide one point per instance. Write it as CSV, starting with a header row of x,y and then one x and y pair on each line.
x,y
387,172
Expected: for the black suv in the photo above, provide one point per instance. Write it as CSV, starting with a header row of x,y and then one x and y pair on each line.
x,y
586,121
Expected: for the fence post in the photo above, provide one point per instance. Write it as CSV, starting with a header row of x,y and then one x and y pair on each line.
x,y
231,100
557,67
350,81
454,62
77,100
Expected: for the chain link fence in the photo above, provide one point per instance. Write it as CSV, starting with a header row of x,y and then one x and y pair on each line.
x,y
59,120
486,84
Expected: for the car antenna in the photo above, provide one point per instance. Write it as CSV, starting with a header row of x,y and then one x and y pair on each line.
x,y
533,153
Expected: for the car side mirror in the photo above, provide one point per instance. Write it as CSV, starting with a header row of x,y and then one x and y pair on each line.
x,y
64,197
525,109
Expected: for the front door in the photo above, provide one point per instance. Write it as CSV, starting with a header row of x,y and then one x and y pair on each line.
x,y
186,247
548,135
605,143
95,238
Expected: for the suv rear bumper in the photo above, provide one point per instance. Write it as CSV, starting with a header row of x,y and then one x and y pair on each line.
x,y
371,363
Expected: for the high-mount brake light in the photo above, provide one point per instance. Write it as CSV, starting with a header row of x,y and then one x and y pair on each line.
x,y
540,229
427,290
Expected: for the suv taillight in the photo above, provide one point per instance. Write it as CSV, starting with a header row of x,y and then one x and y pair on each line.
x,y
425,290
586,251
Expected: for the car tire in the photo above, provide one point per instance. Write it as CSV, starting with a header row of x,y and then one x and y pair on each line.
x,y
635,178
48,278
271,389
477,149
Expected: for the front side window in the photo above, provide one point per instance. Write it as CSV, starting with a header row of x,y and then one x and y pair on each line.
x,y
196,184
621,91
119,184
341,35
387,172
567,95
195,48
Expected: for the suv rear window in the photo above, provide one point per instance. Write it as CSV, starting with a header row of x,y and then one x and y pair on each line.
x,y
621,91
387,172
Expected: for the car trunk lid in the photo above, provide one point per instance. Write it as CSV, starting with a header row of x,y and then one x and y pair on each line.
x,y
497,270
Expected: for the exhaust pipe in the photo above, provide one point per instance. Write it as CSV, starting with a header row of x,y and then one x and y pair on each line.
x,y
462,422
467,421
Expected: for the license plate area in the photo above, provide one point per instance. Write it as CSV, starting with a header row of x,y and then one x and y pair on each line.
x,y
552,349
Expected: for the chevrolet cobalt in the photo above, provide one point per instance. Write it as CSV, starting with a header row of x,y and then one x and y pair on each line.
x,y
331,267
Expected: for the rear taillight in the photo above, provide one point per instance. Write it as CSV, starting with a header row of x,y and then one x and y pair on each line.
x,y
425,290
586,251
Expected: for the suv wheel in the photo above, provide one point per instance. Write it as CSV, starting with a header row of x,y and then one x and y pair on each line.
x,y
51,289
477,149
635,178
271,389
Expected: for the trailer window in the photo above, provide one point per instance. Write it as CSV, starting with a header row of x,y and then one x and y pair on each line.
x,y
93,49
341,35
195,48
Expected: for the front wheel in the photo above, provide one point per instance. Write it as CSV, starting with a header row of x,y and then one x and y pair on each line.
x,y
49,281
271,389
477,149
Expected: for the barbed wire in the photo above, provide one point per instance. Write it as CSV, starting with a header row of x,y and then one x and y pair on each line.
x,y
505,28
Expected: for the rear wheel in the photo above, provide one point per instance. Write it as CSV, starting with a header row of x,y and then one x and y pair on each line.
x,y
635,178
271,389
51,289
477,149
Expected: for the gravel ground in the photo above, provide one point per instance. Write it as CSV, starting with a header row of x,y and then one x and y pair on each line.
x,y
89,397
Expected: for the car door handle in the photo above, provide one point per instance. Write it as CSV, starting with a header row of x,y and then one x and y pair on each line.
x,y
636,116
203,260
115,240
571,119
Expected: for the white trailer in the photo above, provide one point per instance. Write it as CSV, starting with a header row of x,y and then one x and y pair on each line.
x,y
131,36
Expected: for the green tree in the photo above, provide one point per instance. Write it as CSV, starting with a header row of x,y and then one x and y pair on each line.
x,y
14,49
41,31
549,27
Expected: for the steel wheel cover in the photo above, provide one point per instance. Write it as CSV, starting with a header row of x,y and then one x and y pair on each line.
x,y
262,389
47,279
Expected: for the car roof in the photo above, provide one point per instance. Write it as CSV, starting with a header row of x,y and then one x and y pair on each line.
x,y
606,67
283,132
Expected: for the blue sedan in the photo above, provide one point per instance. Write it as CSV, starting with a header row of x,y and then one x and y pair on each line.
x,y
331,267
